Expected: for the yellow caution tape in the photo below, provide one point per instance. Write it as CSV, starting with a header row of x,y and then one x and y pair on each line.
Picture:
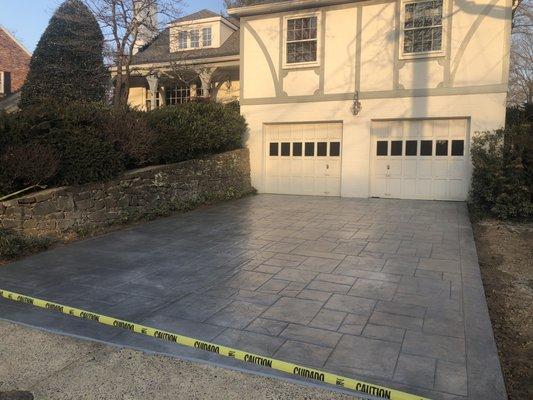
x,y
290,368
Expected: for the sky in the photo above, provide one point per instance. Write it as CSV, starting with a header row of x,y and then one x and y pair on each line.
x,y
27,19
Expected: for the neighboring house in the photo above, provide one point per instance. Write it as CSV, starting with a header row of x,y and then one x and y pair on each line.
x,y
195,56
346,98
14,63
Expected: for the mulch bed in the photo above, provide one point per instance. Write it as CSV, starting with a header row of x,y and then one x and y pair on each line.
x,y
506,259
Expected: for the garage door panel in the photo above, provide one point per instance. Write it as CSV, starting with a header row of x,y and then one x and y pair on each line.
x,y
457,169
440,169
297,167
409,188
425,169
410,168
457,190
423,188
395,168
312,166
395,188
431,162
440,188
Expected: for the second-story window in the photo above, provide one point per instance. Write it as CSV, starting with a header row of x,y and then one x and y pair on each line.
x,y
302,40
182,40
195,38
206,37
422,30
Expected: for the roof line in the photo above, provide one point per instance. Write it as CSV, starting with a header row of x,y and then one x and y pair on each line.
x,y
271,7
8,33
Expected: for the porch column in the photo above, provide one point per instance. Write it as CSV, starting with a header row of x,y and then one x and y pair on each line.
x,y
153,84
206,75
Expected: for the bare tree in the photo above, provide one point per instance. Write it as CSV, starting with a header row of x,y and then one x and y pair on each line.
x,y
521,68
127,26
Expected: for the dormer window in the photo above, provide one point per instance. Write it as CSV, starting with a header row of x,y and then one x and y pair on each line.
x,y
195,38
182,40
200,30
206,37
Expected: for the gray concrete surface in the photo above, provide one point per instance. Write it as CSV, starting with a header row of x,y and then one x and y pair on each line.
x,y
54,367
387,291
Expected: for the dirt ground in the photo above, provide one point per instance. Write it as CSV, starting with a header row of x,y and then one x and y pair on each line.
x,y
53,367
506,259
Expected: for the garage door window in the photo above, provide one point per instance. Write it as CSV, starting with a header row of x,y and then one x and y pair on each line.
x,y
458,148
322,149
411,147
396,148
334,149
383,148
441,149
274,149
285,149
296,149
426,147
309,149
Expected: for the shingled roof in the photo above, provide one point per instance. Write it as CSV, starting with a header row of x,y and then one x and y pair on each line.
x,y
159,50
202,14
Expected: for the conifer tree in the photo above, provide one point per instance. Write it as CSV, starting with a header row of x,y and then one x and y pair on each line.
x,y
67,64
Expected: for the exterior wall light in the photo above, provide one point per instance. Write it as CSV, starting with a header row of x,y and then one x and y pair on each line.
x,y
356,106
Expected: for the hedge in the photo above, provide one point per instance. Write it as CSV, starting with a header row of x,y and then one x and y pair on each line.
x,y
87,142
502,178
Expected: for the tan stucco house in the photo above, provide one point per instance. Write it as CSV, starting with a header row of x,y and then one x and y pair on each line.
x,y
195,56
376,98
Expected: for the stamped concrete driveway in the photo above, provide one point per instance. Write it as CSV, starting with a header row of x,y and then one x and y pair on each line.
x,y
388,291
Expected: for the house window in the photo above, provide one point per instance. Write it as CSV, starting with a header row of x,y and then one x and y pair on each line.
x,y
182,40
302,40
206,37
2,83
179,94
195,39
422,28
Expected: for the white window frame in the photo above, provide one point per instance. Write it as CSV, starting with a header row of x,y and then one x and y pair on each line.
x,y
424,54
210,30
183,35
286,19
180,94
192,32
2,83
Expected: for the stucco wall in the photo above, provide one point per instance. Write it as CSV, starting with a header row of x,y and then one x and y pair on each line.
x,y
137,193
359,48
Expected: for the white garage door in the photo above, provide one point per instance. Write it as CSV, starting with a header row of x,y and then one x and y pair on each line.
x,y
424,159
303,158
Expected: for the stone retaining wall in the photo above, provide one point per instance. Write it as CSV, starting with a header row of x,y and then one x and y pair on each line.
x,y
138,193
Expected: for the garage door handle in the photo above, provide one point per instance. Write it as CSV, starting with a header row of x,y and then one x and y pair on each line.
x,y
327,166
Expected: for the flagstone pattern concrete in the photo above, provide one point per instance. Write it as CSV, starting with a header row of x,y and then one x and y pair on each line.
x,y
387,291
